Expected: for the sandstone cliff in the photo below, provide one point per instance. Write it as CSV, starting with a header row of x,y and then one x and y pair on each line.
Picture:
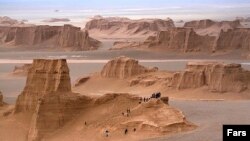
x,y
180,39
217,76
208,23
44,77
55,37
124,26
48,97
212,28
124,67
234,39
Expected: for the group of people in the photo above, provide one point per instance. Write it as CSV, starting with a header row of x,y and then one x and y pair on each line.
x,y
106,132
126,114
154,95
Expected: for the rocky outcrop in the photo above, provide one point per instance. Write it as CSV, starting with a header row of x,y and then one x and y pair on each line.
x,y
7,21
40,37
234,39
217,76
212,28
48,97
44,77
53,111
180,39
1,99
21,70
124,26
208,23
124,67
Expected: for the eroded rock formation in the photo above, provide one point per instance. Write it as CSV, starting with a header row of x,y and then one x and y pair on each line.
x,y
44,77
217,76
1,99
208,23
124,26
57,37
234,39
124,67
180,39
7,21
47,95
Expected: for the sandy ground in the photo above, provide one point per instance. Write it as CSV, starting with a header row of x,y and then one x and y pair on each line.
x,y
209,116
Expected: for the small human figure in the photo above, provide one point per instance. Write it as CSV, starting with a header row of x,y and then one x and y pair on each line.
x,y
153,95
126,131
158,95
134,129
144,99
139,102
122,113
107,133
85,123
128,110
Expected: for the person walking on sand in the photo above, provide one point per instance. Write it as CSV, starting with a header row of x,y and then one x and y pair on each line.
x,y
106,133
126,131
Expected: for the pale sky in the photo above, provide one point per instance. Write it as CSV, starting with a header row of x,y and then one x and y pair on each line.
x,y
78,11
106,4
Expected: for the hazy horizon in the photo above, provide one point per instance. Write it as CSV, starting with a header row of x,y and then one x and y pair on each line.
x,y
79,11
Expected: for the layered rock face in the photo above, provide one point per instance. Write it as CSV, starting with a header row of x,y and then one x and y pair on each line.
x,y
234,39
66,36
44,77
181,39
217,76
124,67
117,25
208,23
47,95
212,28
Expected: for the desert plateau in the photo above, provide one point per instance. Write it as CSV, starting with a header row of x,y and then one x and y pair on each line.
x,y
123,71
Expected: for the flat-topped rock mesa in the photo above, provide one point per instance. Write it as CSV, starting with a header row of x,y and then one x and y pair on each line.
x,y
124,26
218,77
43,36
212,28
180,39
234,39
21,70
123,67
